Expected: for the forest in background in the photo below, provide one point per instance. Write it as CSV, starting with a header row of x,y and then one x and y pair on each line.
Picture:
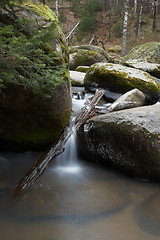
x,y
103,21
110,24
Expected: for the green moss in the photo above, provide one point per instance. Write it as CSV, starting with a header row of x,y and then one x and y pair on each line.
x,y
82,69
74,49
116,48
147,52
86,58
119,81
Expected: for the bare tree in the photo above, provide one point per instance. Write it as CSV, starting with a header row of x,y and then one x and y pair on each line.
x,y
135,7
57,8
124,39
139,16
155,7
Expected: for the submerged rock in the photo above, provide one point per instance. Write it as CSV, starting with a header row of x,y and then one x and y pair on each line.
x,y
118,78
128,140
35,99
131,99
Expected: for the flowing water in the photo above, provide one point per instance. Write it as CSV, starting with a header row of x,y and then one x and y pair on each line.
x,y
75,200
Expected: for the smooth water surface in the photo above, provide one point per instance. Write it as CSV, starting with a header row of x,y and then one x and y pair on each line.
x,y
75,200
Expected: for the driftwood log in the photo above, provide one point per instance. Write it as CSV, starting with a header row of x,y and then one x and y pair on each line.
x,y
58,146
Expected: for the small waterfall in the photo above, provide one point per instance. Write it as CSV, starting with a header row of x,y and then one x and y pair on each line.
x,y
68,162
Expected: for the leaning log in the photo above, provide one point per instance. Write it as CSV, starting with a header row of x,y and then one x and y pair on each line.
x,y
58,146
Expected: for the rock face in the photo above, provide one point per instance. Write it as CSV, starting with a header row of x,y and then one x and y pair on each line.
x,y
86,56
131,99
32,118
129,140
118,78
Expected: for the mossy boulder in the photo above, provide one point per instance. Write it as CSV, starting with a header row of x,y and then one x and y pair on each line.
x,y
35,94
86,56
148,52
118,78
108,57
128,140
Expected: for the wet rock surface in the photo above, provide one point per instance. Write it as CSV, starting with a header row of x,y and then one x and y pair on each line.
x,y
128,140
131,99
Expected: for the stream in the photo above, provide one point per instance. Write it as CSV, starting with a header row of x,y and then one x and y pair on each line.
x,y
75,199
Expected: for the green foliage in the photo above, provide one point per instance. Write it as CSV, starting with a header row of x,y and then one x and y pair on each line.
x,y
88,22
118,30
62,16
27,62
75,6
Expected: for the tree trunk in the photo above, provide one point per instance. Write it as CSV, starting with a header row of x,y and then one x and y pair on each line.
x,y
57,8
139,16
155,15
135,7
124,39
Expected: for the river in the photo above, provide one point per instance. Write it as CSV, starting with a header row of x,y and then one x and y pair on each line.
x,y
75,199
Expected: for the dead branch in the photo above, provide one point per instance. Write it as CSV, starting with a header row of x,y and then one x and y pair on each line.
x,y
68,36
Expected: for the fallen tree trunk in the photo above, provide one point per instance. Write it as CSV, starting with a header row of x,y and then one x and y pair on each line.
x,y
57,147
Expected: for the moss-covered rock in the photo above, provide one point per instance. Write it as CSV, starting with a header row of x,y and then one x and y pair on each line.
x,y
118,78
84,57
35,100
128,140
101,51
148,52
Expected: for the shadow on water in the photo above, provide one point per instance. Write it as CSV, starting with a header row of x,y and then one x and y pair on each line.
x,y
147,215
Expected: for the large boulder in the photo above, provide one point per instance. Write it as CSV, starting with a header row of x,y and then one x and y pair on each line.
x,y
87,55
118,78
145,57
128,140
35,94
148,52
